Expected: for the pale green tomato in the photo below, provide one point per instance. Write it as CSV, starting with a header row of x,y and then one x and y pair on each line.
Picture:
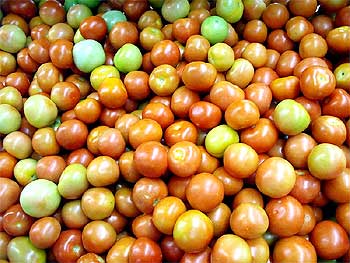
x,y
78,37
326,161
88,54
20,249
291,117
175,9
76,14
221,56
230,10
25,171
40,111
10,119
73,181
102,72
128,58
214,29
113,16
219,138
40,198
12,38
12,96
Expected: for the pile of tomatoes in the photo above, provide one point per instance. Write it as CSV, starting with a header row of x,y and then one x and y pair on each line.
x,y
174,131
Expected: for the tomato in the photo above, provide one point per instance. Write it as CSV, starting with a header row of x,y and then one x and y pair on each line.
x,y
120,250
147,192
163,80
193,231
215,28
16,222
199,76
69,246
184,158
204,192
143,226
326,161
150,159
20,249
44,232
275,177
286,223
98,236
249,221
291,117
335,245
285,250
230,248
242,114
205,115
145,250
97,203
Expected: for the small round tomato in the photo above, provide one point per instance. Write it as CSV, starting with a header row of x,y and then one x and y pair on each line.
x,y
193,231
69,246
286,216
329,239
240,160
230,248
249,221
204,192
166,212
317,82
326,161
184,158
294,249
98,236
275,177
242,114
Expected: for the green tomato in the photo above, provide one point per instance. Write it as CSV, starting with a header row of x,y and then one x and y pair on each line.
x,y
88,54
40,111
230,10
73,181
219,138
20,249
291,117
175,9
12,38
25,171
113,16
69,3
221,56
100,73
40,198
90,3
326,161
78,37
128,58
76,14
214,29
156,4
12,96
10,119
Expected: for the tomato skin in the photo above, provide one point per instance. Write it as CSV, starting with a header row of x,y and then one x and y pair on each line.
x,y
335,245
286,250
193,231
199,76
145,250
231,248
69,246
317,82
